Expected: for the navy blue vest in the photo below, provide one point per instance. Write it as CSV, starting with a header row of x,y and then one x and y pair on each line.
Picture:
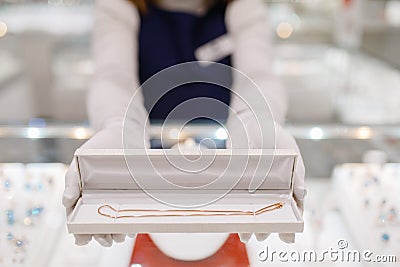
x,y
168,38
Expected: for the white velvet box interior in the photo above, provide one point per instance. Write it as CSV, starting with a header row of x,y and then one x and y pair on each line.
x,y
106,180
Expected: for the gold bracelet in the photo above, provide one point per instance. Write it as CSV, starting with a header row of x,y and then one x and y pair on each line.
x,y
192,212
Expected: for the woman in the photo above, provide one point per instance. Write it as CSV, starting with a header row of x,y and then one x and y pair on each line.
x,y
134,40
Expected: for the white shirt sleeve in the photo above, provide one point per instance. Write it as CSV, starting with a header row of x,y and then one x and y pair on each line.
x,y
115,56
247,24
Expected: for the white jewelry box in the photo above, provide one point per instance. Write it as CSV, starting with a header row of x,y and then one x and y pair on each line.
x,y
105,179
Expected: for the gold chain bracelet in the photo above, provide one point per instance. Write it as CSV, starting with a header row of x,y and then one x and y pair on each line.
x,y
190,212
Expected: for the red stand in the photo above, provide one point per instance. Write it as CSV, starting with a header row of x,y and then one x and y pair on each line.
x,y
232,254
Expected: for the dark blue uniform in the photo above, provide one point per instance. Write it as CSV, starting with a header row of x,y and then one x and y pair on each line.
x,y
168,38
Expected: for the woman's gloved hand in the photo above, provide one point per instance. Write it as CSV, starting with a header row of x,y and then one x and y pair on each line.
x,y
70,197
107,138
283,140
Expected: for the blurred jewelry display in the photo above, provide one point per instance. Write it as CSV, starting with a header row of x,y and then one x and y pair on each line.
x,y
371,194
17,243
10,217
390,216
7,184
140,213
27,194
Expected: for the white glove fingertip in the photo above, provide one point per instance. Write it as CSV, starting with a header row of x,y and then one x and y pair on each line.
x,y
104,240
132,235
68,212
71,192
288,238
118,238
70,196
244,237
81,240
261,236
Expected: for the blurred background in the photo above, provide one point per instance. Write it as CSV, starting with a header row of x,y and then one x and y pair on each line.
x,y
338,59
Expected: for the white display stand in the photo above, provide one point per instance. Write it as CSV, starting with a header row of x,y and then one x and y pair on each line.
x,y
105,179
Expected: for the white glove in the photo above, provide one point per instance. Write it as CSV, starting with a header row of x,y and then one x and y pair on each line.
x,y
117,23
110,137
283,140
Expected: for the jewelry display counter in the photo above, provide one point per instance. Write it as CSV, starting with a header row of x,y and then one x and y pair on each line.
x,y
31,217
368,197
325,217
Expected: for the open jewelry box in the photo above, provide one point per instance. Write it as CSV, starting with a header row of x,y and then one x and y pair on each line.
x,y
165,191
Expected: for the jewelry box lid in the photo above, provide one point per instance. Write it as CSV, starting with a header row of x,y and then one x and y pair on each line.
x,y
170,169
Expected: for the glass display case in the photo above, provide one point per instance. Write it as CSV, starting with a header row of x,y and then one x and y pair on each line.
x,y
14,87
323,147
